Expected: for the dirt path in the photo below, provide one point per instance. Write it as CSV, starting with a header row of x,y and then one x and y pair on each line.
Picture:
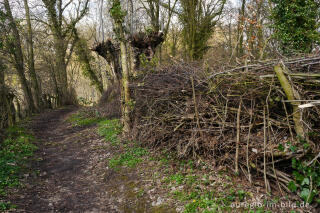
x,y
72,172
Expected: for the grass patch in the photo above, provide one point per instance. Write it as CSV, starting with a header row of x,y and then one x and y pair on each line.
x,y
15,151
175,178
110,129
132,155
81,119
130,158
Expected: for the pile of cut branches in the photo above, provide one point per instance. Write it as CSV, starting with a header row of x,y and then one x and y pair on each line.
x,y
239,117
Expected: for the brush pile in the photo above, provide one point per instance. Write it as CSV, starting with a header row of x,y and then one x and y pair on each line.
x,y
230,116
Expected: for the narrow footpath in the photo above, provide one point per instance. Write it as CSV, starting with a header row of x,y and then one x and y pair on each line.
x,y
70,172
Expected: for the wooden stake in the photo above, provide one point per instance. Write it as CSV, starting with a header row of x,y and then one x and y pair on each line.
x,y
195,105
264,150
248,141
238,139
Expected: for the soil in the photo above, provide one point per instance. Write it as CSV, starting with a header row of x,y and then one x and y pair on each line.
x,y
70,172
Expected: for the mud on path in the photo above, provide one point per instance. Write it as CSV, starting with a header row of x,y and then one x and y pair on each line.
x,y
72,174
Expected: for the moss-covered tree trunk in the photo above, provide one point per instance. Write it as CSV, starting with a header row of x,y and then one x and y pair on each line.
x,y
126,109
61,69
287,88
125,85
7,110
118,16
3,108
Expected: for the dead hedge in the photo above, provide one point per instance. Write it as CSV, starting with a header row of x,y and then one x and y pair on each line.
x,y
228,115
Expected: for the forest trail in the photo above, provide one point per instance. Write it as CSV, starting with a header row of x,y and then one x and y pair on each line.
x,y
72,172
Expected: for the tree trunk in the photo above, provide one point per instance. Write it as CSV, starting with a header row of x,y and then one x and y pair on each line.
x,y
34,80
240,50
18,58
125,80
131,61
2,68
118,15
54,80
260,31
61,69
7,111
3,107
18,110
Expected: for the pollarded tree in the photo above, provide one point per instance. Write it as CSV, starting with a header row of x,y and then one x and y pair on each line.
x,y
199,18
295,24
118,15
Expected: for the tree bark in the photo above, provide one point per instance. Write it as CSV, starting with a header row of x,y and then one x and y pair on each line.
x,y
260,30
240,50
7,110
34,80
125,80
118,16
3,107
18,58
61,69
